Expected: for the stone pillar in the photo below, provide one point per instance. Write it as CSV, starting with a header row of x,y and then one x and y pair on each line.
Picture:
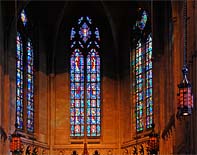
x,y
1,75
177,8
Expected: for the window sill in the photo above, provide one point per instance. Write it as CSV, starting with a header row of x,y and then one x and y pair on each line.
x,y
92,140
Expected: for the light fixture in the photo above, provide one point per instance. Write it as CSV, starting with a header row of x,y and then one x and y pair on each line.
x,y
15,142
153,143
185,97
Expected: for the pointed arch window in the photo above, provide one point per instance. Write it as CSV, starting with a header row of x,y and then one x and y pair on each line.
x,y
19,82
24,76
142,74
85,98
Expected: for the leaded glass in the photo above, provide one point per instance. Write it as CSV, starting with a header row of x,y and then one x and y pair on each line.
x,y
142,65
77,93
85,32
19,81
143,19
23,17
85,80
139,86
24,77
148,77
30,87
93,93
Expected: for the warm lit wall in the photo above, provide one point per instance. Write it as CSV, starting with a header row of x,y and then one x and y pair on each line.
x,y
8,85
52,89
60,104
185,129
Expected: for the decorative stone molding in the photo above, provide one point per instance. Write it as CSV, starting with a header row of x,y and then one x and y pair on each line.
x,y
33,149
135,142
169,127
91,151
34,143
135,147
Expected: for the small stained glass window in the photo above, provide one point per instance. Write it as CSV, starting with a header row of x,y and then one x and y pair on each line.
x,y
141,22
23,17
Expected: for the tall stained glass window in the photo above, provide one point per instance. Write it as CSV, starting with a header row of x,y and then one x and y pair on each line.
x,y
24,77
93,93
30,86
19,81
85,84
77,93
142,77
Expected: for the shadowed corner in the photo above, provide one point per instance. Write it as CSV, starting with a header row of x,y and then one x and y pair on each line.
x,y
3,134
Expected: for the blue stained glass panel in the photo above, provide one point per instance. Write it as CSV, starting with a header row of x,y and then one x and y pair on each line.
x,y
73,32
89,20
23,17
142,22
97,34
86,37
85,32
142,64
149,109
93,93
77,93
30,88
19,82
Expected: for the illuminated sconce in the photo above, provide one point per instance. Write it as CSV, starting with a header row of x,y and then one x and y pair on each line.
x,y
153,143
185,97
15,142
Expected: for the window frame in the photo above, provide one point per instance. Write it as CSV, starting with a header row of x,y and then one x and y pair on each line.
x,y
26,33
78,43
141,34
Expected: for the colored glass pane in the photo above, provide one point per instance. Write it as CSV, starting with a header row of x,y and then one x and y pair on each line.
x,y
142,22
23,17
148,76
142,64
77,93
85,119
24,78
30,87
139,86
19,81
93,93
85,32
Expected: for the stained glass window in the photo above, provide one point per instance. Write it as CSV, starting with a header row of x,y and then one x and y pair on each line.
x,y
93,93
24,77
142,67
19,81
141,23
139,86
30,87
77,93
23,17
85,117
149,83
